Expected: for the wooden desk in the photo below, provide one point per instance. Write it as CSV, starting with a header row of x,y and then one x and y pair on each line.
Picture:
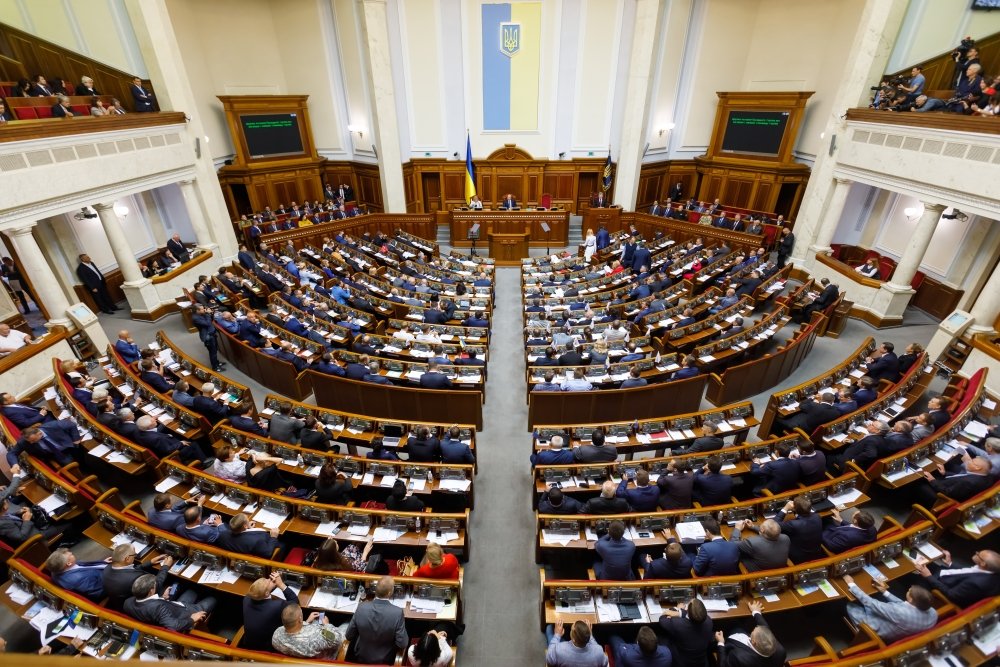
x,y
508,249
507,222
595,218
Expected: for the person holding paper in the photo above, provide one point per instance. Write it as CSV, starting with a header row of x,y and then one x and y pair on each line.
x,y
890,617
964,586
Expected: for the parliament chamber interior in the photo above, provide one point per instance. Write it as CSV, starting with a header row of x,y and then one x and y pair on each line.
x,y
460,332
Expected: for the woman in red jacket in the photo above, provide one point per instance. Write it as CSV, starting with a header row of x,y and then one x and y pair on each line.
x,y
437,564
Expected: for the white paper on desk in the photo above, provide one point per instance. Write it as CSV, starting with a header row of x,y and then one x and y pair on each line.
x,y
191,570
400,602
19,595
988,404
210,576
724,426
229,503
840,437
281,596
118,457
976,428
728,466
845,498
268,518
988,643
368,479
458,485
417,484
690,532
607,613
164,419
715,605
643,438
383,534
51,503
327,528
426,606
707,358
388,480
561,539
359,529
929,550
100,451
167,483
50,394
445,538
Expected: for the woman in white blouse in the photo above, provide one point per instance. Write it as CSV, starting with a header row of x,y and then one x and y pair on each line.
x,y
431,651
589,246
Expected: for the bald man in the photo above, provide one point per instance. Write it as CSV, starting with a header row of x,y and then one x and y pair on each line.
x,y
964,586
766,551
973,478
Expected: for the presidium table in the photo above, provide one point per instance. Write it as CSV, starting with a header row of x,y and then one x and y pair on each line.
x,y
504,228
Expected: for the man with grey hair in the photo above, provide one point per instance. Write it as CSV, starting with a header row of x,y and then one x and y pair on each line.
x,y
760,648
377,629
179,615
163,445
990,452
61,109
554,455
606,503
208,406
125,425
766,551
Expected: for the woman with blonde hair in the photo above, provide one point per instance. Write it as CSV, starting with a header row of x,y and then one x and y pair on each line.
x,y
437,564
589,246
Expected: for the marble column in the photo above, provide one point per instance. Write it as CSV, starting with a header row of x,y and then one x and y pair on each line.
x,y
831,218
195,212
635,115
375,42
140,292
873,41
987,304
916,247
46,287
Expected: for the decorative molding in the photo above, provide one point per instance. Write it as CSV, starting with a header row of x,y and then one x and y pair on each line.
x,y
157,313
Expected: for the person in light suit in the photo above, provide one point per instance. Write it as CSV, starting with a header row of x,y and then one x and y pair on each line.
x,y
377,629
766,551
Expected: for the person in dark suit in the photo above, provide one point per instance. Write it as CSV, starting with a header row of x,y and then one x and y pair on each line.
x,y
642,498
508,202
326,365
61,108
244,420
709,441
711,487
804,529
40,87
313,436
357,370
22,415
606,503
641,258
885,366
178,249
470,360
820,303
676,485
972,479
786,244
909,357
675,564
554,501
571,357
193,528
164,445
423,446
373,375
603,238
839,536
716,556
85,578
247,261
896,439
377,629
142,98
811,415
244,538
688,628
86,87
812,463
677,192
615,554
434,379
761,649
124,424
167,515
56,442
262,611
94,281
938,409
780,474
285,353
204,404
149,374
628,253
964,586
179,615
863,452
119,577
645,652
453,450
597,451
865,392
747,285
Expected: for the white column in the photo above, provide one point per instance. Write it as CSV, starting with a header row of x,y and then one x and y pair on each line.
x,y
44,282
870,50
195,212
831,217
123,252
375,25
635,115
916,247
987,304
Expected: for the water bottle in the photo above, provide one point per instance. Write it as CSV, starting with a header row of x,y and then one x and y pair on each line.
x,y
417,524
430,476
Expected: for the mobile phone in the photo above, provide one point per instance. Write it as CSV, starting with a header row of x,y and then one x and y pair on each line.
x,y
172,591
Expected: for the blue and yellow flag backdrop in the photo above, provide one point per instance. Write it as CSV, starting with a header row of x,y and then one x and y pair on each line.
x,y
511,48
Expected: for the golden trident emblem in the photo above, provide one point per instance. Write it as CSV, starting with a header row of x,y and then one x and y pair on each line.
x,y
510,38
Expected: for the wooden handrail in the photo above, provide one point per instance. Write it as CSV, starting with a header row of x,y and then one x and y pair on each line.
x,y
949,122
28,130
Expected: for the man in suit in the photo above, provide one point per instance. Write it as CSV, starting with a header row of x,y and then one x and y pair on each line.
x,y
606,503
812,463
377,630
811,414
885,366
896,439
243,537
826,298
373,375
759,649
423,446
600,201
94,281
357,370
22,415
179,615
262,611
571,357
675,564
208,406
628,252
746,286
786,244
973,478
716,556
283,426
193,528
603,238
326,365
709,440
143,98
178,249
863,452
615,554
937,408
434,379
150,375
645,652
766,551
508,202
244,420
40,87
86,87
167,515
124,424
642,498
56,442
839,536
676,485
865,392
247,261
804,529
710,486
119,577
555,501
61,108
891,618
453,450
689,370
965,586
641,258
845,401
555,455
163,445
597,451
85,578
780,474
677,192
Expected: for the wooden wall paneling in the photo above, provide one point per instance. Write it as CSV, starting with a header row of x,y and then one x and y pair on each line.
x,y
510,182
431,188
454,187
763,195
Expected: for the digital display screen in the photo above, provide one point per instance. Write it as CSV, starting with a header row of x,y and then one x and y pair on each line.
x,y
272,135
754,132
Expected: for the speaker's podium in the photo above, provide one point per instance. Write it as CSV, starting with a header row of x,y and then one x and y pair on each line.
x,y
507,249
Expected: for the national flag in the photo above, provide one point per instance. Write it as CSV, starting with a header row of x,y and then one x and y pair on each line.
x,y
608,173
470,171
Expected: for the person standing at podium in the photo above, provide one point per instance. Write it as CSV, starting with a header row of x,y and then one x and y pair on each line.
x,y
589,246
600,201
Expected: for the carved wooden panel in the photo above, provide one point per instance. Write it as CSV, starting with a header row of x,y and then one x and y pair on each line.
x,y
454,187
737,192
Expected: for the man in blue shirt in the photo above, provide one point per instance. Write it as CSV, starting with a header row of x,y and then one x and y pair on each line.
x,y
126,347
577,383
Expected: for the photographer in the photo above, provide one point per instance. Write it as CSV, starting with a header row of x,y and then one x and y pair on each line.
x,y
966,54
202,319
915,87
